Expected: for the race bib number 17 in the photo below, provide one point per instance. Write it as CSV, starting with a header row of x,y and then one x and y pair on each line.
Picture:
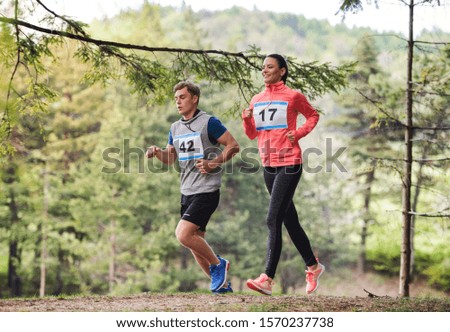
x,y
190,146
270,115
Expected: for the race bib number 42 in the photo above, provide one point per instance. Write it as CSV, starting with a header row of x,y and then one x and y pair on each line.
x,y
270,115
190,146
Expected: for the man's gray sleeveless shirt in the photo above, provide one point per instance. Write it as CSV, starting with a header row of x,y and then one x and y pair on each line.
x,y
190,139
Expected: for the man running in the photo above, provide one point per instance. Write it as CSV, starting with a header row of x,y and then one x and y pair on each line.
x,y
195,140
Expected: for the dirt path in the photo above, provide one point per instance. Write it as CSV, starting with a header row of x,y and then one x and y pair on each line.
x,y
189,302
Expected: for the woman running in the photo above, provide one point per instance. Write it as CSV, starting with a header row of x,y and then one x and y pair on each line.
x,y
272,119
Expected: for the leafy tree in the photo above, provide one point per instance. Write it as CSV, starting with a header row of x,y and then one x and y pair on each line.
x,y
366,129
430,144
408,125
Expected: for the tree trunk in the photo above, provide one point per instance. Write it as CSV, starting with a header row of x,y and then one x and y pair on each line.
x,y
59,280
44,236
405,256
185,285
14,281
112,257
362,262
413,218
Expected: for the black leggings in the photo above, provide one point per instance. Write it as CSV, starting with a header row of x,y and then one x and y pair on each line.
x,y
281,183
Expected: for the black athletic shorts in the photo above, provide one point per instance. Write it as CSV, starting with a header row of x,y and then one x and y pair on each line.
x,y
198,208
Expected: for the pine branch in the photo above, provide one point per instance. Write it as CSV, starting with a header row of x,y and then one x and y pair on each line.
x,y
414,160
438,214
432,43
376,104
100,42
5,118
430,128
312,78
430,160
69,22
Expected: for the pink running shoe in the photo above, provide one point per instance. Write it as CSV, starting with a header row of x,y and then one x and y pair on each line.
x,y
262,284
312,278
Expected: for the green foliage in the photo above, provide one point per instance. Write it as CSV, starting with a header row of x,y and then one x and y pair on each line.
x,y
156,75
439,273
315,83
351,5
385,259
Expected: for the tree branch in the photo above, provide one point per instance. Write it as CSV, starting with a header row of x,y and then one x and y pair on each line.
x,y
69,22
5,118
99,42
430,160
425,214
373,102
370,294
431,128
432,43
438,214
414,160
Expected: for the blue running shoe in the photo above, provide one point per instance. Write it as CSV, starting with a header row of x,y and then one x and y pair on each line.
x,y
224,290
218,274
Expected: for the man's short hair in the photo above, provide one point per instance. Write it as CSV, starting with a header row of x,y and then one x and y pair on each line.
x,y
192,88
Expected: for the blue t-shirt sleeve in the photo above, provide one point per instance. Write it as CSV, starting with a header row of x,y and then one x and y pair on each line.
x,y
170,141
215,129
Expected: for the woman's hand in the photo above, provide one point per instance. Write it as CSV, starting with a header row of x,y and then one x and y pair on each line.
x,y
247,113
291,136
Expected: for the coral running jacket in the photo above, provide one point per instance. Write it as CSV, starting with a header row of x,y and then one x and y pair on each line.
x,y
275,112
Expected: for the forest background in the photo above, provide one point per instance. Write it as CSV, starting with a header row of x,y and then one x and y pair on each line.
x,y
79,178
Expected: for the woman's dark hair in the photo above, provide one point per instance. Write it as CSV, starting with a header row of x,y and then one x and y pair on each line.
x,y
281,63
